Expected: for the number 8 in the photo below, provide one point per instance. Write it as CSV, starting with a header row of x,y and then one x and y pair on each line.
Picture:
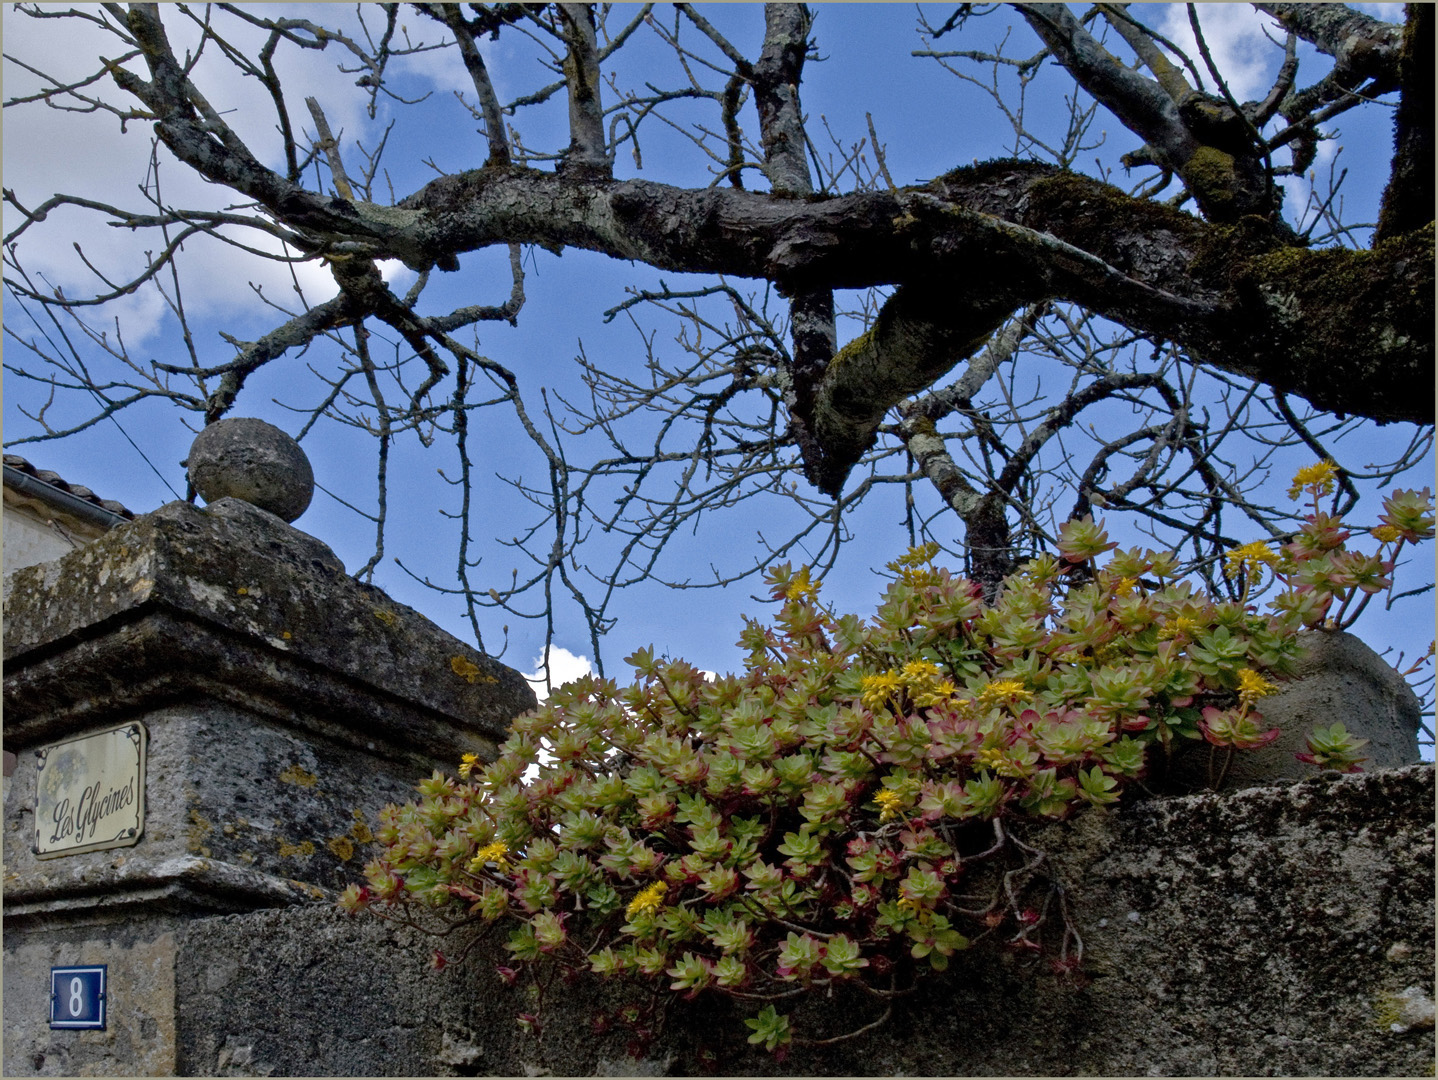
x,y
77,996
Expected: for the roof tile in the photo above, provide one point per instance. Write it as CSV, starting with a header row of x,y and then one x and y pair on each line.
x,y
55,480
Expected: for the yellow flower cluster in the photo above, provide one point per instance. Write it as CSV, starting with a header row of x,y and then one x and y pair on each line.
x,y
651,899
890,804
801,588
468,763
875,690
918,673
923,680
1180,624
910,906
1320,477
1107,651
1253,556
990,757
993,757
916,556
1386,533
497,853
926,683
936,694
1252,686
1002,691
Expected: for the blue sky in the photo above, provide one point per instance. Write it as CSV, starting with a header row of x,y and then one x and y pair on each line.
x,y
928,120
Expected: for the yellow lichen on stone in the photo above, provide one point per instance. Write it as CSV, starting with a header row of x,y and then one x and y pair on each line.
x,y
298,776
1386,1011
389,618
469,671
198,831
304,849
1404,1011
341,847
360,830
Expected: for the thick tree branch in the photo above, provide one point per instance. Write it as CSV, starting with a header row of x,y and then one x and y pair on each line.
x,y
776,93
776,78
1349,331
1201,138
588,153
1169,274
1215,290
920,335
1169,77
1357,42
1408,199
1139,102
331,148
452,17
253,355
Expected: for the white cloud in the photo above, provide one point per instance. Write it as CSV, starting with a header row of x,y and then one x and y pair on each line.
x,y
88,156
396,274
444,71
1245,58
137,315
564,666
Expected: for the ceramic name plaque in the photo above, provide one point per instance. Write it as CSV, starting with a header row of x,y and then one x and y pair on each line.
x,y
90,792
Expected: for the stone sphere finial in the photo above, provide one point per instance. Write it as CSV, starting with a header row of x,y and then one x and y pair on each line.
x,y
256,462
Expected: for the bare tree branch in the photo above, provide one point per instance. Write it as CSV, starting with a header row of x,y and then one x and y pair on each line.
x,y
1032,341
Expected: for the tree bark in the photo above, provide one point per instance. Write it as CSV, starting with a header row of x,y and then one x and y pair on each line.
x,y
1230,294
1350,331
1408,199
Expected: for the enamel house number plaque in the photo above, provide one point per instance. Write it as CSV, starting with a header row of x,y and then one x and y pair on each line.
x,y
77,997
90,792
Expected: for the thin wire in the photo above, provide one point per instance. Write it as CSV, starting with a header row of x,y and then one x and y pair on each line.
x,y
103,403
131,441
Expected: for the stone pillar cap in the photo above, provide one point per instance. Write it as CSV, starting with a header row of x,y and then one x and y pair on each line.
x,y
248,459
231,597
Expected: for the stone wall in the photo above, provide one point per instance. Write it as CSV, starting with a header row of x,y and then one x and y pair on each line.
x,y
1282,930
285,704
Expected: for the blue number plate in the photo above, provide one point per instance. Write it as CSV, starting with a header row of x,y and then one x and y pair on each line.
x,y
77,997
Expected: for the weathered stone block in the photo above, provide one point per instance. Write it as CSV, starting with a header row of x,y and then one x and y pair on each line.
x,y
1339,679
285,702
232,601
241,811
1277,931
285,705
139,1039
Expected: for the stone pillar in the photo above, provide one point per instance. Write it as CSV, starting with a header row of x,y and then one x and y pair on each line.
x,y
284,705
1338,679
